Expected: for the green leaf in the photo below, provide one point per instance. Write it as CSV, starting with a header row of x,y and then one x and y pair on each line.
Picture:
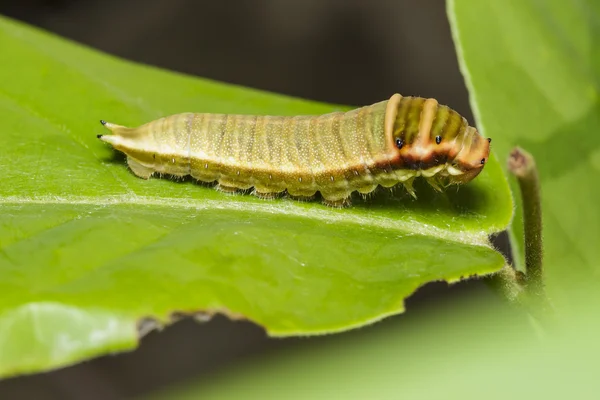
x,y
88,251
533,69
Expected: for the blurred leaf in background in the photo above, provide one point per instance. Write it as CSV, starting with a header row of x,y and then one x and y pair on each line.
x,y
87,250
533,71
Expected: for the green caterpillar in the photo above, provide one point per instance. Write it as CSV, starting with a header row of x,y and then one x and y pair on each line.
x,y
386,143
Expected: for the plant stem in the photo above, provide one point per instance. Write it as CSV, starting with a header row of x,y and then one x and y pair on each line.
x,y
508,282
522,165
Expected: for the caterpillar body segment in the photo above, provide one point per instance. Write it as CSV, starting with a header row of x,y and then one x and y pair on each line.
x,y
384,144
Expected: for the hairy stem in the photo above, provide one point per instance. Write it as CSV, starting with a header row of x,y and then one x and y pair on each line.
x,y
522,165
508,283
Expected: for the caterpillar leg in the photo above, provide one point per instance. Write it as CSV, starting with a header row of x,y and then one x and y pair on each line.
x,y
227,189
408,185
341,203
368,189
367,192
301,194
302,198
266,195
336,198
433,182
138,169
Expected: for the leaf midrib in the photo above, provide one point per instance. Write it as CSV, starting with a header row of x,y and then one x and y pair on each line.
x,y
475,238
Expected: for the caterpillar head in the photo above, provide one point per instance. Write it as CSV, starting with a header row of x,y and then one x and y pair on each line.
x,y
470,160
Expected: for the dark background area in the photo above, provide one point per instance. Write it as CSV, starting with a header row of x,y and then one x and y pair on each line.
x,y
342,51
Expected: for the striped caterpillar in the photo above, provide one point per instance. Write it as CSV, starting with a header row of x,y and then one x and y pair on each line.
x,y
386,143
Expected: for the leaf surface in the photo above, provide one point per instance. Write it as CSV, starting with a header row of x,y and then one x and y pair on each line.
x,y
88,251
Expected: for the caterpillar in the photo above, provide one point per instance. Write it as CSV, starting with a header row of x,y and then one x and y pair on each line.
x,y
387,143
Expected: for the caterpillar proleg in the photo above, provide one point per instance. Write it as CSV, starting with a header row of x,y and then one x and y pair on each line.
x,y
387,143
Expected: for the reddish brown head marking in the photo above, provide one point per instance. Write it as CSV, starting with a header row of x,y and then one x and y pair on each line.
x,y
434,140
471,159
